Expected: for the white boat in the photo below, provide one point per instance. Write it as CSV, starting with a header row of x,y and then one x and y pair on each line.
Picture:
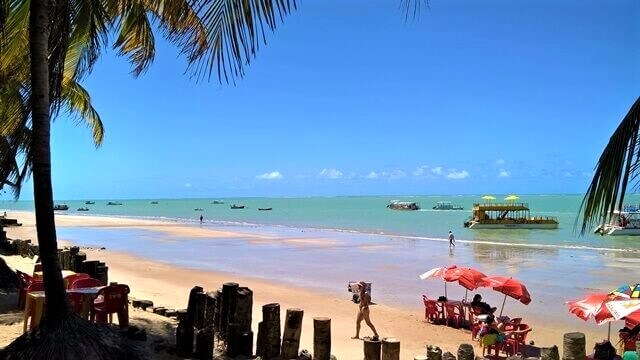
x,y
625,222
403,205
508,216
447,205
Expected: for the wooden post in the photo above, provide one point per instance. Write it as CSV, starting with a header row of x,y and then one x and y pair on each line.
x,y
465,352
390,349
101,273
233,339
200,310
65,259
191,304
245,344
271,327
229,291
260,344
210,307
204,344
184,338
321,338
371,349
291,334
244,308
160,311
549,353
574,346
434,353
89,267
78,259
217,311
449,356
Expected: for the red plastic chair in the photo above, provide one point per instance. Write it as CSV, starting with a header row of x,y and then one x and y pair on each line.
x,y
75,277
112,299
476,325
512,345
433,311
455,314
85,283
25,281
36,285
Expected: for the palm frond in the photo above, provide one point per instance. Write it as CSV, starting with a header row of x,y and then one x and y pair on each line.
x,y
135,38
78,101
619,161
235,29
411,8
60,30
89,36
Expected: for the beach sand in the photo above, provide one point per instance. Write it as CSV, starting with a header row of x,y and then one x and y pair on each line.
x,y
168,285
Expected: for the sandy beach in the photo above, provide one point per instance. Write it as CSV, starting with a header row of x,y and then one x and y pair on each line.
x,y
168,284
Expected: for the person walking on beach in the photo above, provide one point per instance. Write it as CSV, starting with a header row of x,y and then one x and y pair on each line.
x,y
452,239
363,311
201,219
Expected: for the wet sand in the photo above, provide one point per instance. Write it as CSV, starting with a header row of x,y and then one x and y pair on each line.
x,y
310,269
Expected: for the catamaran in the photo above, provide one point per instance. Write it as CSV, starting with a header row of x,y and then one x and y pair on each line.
x,y
624,222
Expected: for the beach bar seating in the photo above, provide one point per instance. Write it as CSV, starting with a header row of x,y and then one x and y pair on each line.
x,y
112,299
25,281
85,283
433,311
454,313
69,280
34,304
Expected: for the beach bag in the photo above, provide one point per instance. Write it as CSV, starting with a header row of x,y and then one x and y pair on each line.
x,y
604,350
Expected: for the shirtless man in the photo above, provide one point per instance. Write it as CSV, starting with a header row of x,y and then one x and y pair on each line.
x,y
363,311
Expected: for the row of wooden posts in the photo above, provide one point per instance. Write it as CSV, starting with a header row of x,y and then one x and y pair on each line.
x,y
70,258
225,316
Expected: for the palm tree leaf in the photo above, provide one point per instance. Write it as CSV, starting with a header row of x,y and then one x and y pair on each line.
x,y
135,38
89,36
60,30
235,30
618,163
78,101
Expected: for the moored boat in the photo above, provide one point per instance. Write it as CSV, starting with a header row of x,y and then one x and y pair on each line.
x,y
89,202
217,202
507,216
114,203
83,209
234,206
622,222
61,207
447,205
403,205
198,209
154,203
265,209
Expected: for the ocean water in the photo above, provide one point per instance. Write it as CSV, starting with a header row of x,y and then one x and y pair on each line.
x,y
367,215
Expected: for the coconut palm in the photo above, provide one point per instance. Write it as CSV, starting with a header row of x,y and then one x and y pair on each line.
x,y
218,37
618,164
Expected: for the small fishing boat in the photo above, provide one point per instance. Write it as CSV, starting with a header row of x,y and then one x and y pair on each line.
x,y
198,209
234,206
265,209
403,205
83,209
447,205
217,202
154,203
89,202
61,207
114,203
623,222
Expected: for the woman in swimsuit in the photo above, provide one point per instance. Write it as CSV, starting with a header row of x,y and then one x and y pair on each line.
x,y
363,311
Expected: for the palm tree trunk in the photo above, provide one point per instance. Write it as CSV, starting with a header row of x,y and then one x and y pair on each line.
x,y
57,307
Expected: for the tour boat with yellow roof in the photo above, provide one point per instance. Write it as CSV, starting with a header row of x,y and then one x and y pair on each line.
x,y
509,215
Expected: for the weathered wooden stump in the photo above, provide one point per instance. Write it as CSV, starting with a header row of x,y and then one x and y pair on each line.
x,y
135,303
465,352
292,332
321,338
78,260
144,304
549,353
184,338
574,346
170,313
204,344
89,267
448,356
233,339
101,273
271,333
200,309
434,353
245,344
217,318
390,349
64,257
371,349
229,294
244,308
181,314
160,310
260,344
191,304
210,306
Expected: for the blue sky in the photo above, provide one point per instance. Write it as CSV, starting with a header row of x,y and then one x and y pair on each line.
x,y
349,99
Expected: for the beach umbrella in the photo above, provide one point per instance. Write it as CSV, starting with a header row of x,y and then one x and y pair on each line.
x,y
488,198
441,273
509,287
624,301
468,278
512,198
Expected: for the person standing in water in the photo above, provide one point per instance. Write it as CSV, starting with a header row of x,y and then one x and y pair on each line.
x,y
201,219
363,311
452,239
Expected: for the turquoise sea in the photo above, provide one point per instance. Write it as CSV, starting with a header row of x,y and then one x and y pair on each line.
x,y
367,215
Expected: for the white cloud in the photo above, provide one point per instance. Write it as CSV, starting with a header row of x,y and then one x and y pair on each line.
x,y
437,170
396,174
504,173
372,175
420,170
187,185
457,175
330,174
273,175
500,162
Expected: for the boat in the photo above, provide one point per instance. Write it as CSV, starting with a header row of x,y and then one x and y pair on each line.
x,y
61,207
114,203
509,215
154,203
265,209
83,209
198,209
217,202
234,206
623,222
403,205
89,202
447,205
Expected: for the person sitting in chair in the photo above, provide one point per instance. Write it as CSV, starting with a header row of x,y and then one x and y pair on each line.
x,y
478,305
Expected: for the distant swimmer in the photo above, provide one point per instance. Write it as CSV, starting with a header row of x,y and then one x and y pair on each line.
x,y
452,239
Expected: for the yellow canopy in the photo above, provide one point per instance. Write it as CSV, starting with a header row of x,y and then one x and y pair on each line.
x,y
488,197
512,198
